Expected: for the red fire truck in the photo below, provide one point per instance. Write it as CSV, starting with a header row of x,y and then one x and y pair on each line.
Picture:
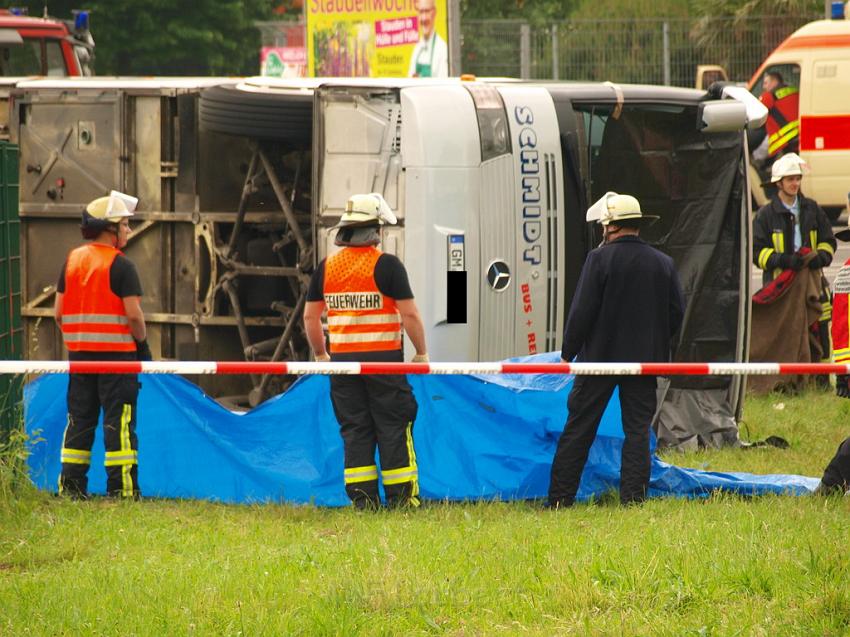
x,y
44,46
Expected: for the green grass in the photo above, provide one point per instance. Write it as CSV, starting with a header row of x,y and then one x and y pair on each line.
x,y
721,566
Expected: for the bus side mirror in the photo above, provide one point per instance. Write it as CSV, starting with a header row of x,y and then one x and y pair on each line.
x,y
722,116
733,108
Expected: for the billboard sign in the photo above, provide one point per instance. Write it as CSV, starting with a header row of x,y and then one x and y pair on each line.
x,y
377,38
283,61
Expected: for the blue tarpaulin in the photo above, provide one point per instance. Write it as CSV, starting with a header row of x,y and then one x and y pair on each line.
x,y
475,437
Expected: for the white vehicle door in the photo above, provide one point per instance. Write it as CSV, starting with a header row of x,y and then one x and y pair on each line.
x,y
356,149
537,208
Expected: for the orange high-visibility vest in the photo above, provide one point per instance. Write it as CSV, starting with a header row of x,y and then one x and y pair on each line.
x,y
360,318
93,316
783,117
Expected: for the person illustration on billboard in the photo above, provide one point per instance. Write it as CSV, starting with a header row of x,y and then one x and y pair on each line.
x,y
431,54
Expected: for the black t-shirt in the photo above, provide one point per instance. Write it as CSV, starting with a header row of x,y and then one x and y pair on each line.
x,y
123,278
391,279
124,282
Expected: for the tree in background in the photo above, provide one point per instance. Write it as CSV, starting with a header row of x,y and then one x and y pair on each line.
x,y
608,39
535,12
218,37
766,22
171,37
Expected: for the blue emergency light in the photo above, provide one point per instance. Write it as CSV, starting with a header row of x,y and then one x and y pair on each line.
x,y
837,10
81,20
19,11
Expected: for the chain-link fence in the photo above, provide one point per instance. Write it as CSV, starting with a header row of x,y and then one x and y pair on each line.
x,y
652,51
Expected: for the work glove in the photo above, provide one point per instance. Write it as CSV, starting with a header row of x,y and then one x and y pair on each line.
x,y
822,260
420,358
842,386
323,358
143,351
791,262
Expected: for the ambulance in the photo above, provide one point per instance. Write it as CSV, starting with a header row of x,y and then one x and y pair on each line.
x,y
816,58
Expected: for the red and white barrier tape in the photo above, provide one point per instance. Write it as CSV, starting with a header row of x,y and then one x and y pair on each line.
x,y
296,368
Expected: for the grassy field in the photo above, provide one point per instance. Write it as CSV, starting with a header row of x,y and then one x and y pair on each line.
x,y
721,566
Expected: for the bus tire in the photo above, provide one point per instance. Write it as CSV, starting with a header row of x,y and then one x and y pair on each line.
x,y
282,115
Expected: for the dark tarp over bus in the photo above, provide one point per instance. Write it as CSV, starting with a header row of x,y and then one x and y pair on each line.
x,y
696,183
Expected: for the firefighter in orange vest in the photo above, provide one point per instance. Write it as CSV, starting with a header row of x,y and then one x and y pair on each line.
x,y
98,310
368,299
783,115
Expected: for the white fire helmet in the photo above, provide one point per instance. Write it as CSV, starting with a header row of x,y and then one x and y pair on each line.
x,y
113,207
613,207
365,210
788,166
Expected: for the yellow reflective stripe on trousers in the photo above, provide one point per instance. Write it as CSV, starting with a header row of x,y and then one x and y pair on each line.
x,y
402,474
411,453
823,245
119,458
764,255
126,447
353,475
64,435
75,456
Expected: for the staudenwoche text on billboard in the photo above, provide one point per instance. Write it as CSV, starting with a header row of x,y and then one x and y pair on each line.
x,y
359,6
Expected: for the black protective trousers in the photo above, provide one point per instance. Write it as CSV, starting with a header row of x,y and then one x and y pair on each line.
x,y
116,395
377,411
586,404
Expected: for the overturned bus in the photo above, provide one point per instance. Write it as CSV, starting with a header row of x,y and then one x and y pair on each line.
x,y
240,183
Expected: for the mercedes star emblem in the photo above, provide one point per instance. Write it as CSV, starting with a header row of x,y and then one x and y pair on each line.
x,y
499,275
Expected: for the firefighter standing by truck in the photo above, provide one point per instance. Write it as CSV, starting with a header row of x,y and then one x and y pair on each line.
x,y
781,132
98,310
368,299
783,115
786,227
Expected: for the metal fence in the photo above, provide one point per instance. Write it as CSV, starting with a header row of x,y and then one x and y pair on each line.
x,y
650,51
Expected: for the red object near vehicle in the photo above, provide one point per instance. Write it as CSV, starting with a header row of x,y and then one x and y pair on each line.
x,y
44,46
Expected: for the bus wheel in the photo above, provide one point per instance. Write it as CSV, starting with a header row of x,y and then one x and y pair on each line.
x,y
282,115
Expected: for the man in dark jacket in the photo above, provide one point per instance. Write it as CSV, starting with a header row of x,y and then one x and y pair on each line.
x,y
785,226
627,307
